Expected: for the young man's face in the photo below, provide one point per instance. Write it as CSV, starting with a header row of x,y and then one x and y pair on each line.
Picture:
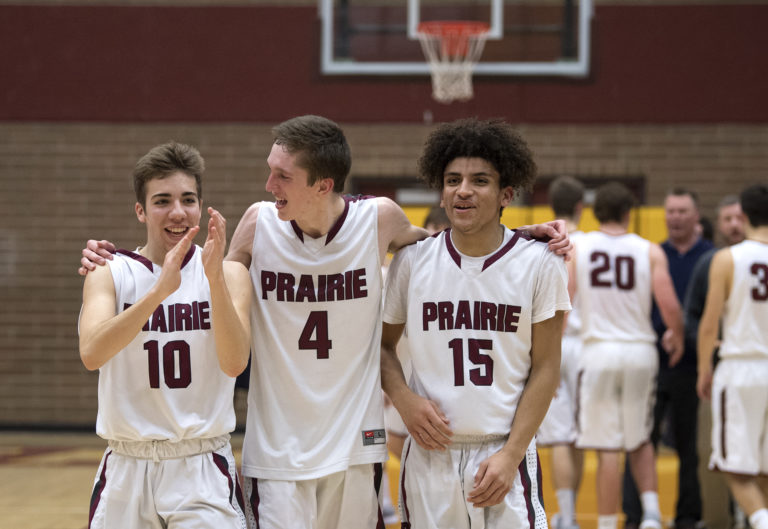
x,y
731,223
681,217
172,208
288,184
472,196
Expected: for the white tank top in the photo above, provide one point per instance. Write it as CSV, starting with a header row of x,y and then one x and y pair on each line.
x,y
166,384
315,400
614,287
468,321
745,318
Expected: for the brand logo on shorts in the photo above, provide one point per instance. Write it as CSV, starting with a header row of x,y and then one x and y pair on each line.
x,y
374,437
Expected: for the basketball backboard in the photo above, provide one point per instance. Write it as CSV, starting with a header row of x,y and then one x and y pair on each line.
x,y
527,37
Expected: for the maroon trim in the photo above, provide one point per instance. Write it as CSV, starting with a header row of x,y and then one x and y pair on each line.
x,y
723,451
254,500
223,465
452,251
297,230
137,257
98,489
406,523
525,479
506,248
189,255
378,473
340,221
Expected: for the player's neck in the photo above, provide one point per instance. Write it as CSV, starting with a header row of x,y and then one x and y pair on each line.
x,y
153,252
571,224
478,244
613,228
322,217
759,234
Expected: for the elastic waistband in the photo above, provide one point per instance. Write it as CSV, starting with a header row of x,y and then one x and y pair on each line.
x,y
161,449
470,439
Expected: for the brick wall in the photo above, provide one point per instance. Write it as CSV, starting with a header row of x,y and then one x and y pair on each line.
x,y
61,184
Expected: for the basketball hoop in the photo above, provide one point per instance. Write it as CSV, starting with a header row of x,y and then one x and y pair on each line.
x,y
452,49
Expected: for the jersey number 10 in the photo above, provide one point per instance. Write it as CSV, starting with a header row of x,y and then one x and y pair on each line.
x,y
172,380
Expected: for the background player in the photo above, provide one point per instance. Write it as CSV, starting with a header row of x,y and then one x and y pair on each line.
x,y
558,429
168,462
614,274
315,438
738,291
484,313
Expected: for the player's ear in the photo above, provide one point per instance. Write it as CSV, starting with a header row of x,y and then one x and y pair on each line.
x,y
507,194
325,186
140,214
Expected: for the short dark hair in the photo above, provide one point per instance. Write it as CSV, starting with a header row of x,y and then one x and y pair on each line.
x,y
565,193
683,192
754,204
437,217
320,146
493,140
728,200
612,202
164,160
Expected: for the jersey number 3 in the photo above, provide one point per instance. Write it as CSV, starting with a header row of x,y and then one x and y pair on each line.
x,y
173,380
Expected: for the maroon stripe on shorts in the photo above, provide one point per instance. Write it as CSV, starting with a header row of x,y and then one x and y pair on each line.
x,y
223,466
98,489
378,473
406,523
254,500
723,451
525,479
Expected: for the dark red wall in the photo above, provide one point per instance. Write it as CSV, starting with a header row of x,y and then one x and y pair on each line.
x,y
651,64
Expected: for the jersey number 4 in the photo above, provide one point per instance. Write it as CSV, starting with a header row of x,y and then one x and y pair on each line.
x,y
171,351
317,326
479,376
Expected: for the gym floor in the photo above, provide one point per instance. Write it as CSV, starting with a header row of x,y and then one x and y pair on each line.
x,y
46,480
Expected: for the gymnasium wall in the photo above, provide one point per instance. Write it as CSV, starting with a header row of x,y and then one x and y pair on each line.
x,y
86,90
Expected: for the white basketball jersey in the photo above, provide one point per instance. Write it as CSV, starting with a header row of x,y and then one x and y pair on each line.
x,y
573,323
166,384
315,400
614,287
745,318
469,323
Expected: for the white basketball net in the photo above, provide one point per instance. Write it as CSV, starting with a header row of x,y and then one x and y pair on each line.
x,y
452,50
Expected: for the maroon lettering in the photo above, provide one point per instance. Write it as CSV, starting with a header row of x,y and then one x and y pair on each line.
x,y
268,282
158,320
487,316
285,283
335,287
204,310
184,317
306,289
428,314
359,283
511,318
463,315
760,291
445,315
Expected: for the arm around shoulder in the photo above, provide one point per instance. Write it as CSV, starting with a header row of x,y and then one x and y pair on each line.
x,y
395,230
240,246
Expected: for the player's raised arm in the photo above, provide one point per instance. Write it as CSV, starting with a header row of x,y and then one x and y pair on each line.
x,y
103,332
230,286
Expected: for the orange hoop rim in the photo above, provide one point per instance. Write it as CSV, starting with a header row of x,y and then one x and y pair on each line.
x,y
442,28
